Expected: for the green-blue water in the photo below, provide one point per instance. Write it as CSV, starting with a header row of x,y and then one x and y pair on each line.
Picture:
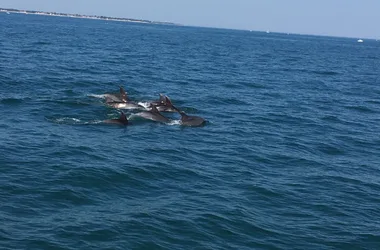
x,y
289,157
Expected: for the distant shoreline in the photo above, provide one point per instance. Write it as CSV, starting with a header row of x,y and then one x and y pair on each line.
x,y
93,17
133,20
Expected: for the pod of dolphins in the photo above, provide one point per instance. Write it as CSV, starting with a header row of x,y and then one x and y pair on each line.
x,y
163,104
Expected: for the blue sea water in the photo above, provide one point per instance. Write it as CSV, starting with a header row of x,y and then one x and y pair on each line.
x,y
289,157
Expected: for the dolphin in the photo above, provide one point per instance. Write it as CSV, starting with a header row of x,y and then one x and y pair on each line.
x,y
153,115
122,105
189,120
119,97
121,121
163,104
160,101
121,101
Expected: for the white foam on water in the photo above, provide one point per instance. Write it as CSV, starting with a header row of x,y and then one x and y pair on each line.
x,y
136,116
131,116
141,115
94,122
125,106
75,121
129,108
67,120
97,96
174,122
146,105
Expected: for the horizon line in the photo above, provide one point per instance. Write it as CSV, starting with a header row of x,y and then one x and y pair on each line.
x,y
145,21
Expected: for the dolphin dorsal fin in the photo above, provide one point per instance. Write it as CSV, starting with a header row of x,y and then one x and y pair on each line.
x,y
162,98
122,90
183,114
123,94
123,117
168,102
154,109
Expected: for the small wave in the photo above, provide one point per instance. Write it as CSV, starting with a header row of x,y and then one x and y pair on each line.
x,y
362,109
69,92
72,103
291,59
331,118
229,101
30,51
373,101
10,101
331,149
326,73
42,43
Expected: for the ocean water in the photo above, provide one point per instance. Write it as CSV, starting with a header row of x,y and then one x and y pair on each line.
x,y
289,157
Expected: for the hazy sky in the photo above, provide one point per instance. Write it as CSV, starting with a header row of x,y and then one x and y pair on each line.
x,y
353,18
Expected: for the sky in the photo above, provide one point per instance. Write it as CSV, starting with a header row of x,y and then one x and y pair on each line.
x,y
346,18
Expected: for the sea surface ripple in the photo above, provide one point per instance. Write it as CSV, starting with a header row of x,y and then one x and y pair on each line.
x,y
289,157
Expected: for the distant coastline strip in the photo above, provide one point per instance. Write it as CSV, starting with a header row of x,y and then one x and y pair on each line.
x,y
118,19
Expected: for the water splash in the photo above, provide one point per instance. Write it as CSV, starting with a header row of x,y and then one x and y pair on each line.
x,y
102,96
174,123
66,120
146,105
74,121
